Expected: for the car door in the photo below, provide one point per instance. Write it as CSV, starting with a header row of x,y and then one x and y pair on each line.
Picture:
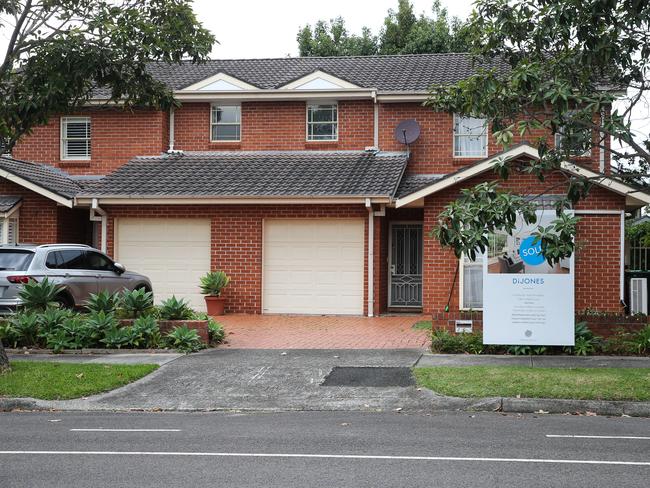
x,y
70,270
109,279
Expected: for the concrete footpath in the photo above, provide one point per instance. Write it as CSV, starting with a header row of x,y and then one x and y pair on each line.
x,y
295,380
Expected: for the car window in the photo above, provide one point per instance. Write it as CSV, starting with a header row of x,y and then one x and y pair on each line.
x,y
98,262
67,259
15,260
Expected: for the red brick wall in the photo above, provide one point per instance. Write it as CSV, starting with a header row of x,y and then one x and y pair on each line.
x,y
38,215
116,137
237,240
597,272
274,126
432,153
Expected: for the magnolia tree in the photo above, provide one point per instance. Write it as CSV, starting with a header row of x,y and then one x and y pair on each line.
x,y
62,53
578,68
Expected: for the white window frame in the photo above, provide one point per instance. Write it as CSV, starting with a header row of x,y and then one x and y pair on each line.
x,y
64,138
6,219
461,283
213,107
575,154
454,136
308,123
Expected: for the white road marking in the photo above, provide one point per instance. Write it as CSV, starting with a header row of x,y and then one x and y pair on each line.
x,y
262,371
125,430
598,437
329,456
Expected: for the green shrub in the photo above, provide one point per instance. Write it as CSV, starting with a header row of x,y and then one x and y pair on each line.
x,y
639,342
117,337
184,339
97,324
8,334
146,332
216,333
136,303
73,333
213,282
526,350
25,325
53,318
175,309
39,296
104,301
443,341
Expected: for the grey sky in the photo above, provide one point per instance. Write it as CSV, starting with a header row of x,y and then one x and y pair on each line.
x,y
261,28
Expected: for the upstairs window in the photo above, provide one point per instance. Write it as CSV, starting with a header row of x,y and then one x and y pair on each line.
x,y
322,122
470,137
75,138
226,123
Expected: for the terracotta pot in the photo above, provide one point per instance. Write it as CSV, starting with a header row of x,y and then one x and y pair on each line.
x,y
215,305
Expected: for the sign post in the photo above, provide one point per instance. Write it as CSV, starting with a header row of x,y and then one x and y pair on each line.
x,y
526,301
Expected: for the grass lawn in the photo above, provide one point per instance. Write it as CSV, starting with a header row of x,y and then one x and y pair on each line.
x,y
62,381
510,381
423,325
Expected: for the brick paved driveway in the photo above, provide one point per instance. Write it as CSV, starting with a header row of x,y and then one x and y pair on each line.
x,y
323,332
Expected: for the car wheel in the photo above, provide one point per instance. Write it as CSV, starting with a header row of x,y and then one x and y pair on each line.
x,y
64,301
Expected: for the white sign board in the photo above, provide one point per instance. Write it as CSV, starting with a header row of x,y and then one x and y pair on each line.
x,y
526,301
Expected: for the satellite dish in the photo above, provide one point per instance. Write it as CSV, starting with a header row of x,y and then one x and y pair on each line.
x,y
407,131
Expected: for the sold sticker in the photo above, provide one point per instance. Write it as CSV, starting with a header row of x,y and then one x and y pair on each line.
x,y
531,253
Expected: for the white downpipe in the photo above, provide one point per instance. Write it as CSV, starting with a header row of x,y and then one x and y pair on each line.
x,y
371,257
622,277
103,218
171,129
375,131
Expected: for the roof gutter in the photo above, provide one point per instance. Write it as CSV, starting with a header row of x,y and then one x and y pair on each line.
x,y
276,94
158,200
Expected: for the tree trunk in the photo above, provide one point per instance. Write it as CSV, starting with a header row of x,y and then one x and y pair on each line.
x,y
4,360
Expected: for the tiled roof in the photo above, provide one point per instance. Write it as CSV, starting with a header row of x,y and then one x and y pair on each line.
x,y
256,174
43,175
8,202
412,72
412,183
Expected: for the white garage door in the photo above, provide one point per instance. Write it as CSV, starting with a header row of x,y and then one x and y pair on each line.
x,y
313,266
173,253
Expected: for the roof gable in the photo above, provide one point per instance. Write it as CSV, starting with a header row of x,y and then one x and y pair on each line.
x,y
43,179
319,80
220,82
633,197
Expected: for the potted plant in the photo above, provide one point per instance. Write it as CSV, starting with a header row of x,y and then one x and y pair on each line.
x,y
211,285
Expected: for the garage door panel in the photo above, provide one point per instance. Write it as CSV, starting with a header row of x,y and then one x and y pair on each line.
x,y
173,253
313,266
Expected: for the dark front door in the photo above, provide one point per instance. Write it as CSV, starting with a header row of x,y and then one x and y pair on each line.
x,y
405,265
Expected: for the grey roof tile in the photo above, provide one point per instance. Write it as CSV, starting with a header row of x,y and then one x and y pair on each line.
x,y
395,73
256,174
43,175
8,202
412,183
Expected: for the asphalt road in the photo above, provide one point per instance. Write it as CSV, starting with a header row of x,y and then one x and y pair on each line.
x,y
321,449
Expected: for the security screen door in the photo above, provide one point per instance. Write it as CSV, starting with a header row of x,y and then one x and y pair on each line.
x,y
405,265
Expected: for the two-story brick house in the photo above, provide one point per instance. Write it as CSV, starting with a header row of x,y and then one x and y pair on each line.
x,y
286,173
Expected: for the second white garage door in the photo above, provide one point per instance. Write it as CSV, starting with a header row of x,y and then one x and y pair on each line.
x,y
313,266
173,253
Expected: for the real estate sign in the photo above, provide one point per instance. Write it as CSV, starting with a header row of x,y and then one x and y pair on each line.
x,y
526,301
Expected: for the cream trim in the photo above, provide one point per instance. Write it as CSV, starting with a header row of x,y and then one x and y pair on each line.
x,y
200,86
296,84
343,94
12,210
35,188
639,198
156,200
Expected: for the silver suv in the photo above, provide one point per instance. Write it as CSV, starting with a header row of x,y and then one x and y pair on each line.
x,y
80,270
